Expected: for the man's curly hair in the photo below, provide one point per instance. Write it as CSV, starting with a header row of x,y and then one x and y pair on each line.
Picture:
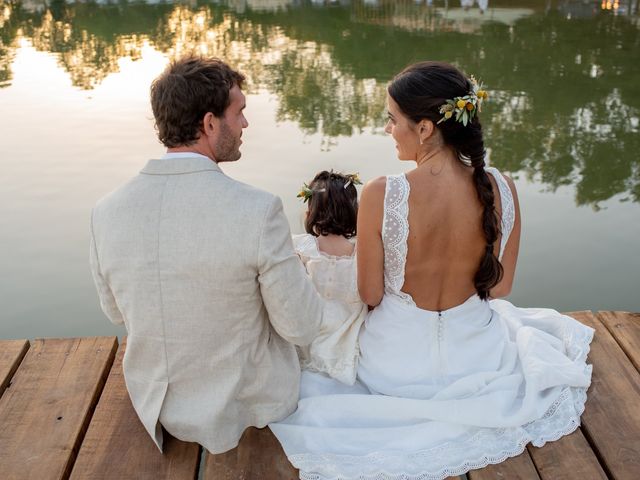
x,y
188,89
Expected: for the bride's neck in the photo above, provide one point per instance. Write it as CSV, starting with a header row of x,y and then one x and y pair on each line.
x,y
436,157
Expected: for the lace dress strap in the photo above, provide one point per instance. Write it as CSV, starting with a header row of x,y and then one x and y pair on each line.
x,y
395,230
508,207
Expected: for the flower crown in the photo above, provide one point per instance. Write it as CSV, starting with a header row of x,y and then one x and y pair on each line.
x,y
465,108
306,192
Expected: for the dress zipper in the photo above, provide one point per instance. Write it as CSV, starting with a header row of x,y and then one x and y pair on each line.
x,y
440,336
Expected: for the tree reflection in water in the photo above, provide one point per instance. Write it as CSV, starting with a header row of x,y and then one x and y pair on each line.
x,y
565,102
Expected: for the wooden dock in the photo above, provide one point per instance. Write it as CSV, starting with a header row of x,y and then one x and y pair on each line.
x,y
65,413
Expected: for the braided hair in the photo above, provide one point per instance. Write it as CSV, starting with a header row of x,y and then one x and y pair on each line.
x,y
420,90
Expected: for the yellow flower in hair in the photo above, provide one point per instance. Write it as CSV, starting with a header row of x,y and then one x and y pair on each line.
x,y
483,94
448,114
305,193
355,178
461,103
470,106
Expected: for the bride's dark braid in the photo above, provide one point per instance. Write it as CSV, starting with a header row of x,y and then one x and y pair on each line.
x,y
420,90
490,271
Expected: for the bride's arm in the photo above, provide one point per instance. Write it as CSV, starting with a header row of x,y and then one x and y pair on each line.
x,y
370,251
510,256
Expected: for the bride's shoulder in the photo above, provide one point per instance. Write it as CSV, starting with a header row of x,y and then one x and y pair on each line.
x,y
370,210
374,189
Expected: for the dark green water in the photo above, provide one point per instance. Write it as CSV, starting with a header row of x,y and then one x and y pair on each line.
x,y
563,119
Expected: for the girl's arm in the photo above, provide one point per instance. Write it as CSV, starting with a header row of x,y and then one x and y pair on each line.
x,y
370,250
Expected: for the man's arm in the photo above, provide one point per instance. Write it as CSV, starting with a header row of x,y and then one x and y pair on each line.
x,y
107,300
292,302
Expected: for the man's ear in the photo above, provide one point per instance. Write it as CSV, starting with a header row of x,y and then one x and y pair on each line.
x,y
425,130
210,124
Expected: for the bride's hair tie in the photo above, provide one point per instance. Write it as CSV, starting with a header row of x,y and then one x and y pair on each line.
x,y
463,109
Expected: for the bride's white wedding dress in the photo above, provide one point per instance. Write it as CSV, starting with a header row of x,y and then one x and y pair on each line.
x,y
440,393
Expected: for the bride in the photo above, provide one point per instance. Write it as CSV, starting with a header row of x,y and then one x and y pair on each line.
x,y
450,379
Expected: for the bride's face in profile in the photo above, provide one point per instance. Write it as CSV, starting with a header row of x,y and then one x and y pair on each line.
x,y
403,130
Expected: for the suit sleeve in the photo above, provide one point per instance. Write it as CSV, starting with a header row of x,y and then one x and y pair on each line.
x,y
291,300
107,300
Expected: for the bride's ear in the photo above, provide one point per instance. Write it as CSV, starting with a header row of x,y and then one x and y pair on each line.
x,y
425,130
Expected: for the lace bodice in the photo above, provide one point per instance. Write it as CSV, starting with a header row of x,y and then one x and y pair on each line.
x,y
508,207
395,228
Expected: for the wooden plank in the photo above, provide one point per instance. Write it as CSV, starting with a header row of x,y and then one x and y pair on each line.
x,y
611,421
117,445
47,409
258,455
514,468
567,458
11,354
625,328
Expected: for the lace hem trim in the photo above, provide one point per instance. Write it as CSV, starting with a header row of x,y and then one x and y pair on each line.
x,y
509,444
495,445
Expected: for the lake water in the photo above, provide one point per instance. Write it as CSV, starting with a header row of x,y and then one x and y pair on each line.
x,y
563,119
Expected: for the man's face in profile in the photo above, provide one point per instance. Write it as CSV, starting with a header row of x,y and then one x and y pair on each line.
x,y
227,146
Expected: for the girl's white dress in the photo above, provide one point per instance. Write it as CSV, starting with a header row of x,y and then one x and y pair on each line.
x,y
440,393
335,350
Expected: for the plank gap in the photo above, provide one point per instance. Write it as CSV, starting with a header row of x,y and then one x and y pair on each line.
x,y
56,378
116,444
12,353
90,411
611,420
201,463
626,339
596,451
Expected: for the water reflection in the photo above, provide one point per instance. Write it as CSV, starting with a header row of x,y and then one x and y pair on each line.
x,y
565,107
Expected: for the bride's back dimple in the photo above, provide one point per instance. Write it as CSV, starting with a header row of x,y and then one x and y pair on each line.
x,y
445,241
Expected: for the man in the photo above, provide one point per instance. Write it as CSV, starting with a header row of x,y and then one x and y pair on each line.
x,y
201,270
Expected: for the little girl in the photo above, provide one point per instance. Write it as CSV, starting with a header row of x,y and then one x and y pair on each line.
x,y
328,253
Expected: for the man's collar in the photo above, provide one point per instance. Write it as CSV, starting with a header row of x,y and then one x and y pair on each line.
x,y
179,163
170,155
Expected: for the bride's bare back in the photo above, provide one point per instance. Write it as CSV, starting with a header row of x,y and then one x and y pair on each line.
x,y
445,242
450,228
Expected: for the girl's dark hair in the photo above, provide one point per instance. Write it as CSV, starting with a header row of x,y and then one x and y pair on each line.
x,y
333,209
420,90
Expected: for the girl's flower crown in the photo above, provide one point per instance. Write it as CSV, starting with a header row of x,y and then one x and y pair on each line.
x,y
306,192
465,108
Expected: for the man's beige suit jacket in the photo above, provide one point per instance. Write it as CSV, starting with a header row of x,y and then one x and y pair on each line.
x,y
201,270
